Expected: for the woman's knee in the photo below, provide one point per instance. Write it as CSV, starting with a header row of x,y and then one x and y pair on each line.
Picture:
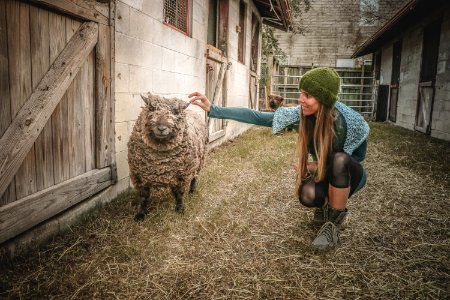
x,y
340,160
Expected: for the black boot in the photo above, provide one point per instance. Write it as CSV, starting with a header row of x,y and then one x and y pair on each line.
x,y
328,235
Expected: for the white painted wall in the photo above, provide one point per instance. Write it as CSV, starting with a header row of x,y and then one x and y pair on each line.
x,y
153,57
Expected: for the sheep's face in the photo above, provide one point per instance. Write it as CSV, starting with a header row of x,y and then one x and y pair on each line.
x,y
275,101
162,119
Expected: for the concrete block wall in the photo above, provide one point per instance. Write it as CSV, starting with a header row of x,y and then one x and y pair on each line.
x,y
440,123
153,57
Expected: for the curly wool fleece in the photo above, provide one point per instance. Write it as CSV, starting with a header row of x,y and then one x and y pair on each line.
x,y
173,163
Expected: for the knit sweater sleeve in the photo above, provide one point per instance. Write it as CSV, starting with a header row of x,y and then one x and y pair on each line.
x,y
242,114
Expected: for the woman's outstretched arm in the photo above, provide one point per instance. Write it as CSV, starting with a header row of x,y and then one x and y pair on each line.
x,y
240,114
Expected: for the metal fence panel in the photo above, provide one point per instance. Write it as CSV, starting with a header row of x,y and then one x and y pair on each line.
x,y
356,90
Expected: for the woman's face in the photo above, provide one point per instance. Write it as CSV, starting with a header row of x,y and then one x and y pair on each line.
x,y
310,105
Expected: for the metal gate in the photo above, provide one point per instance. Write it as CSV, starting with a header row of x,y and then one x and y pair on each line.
x,y
356,88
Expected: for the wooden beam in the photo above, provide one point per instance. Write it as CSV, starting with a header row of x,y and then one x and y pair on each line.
x,y
23,214
75,8
103,101
34,114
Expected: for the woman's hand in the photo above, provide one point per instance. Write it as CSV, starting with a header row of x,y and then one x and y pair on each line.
x,y
200,100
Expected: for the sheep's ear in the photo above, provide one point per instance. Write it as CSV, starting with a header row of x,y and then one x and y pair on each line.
x,y
184,104
145,99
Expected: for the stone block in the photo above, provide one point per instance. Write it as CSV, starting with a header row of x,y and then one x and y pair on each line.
x,y
122,18
127,106
122,78
141,79
122,164
122,135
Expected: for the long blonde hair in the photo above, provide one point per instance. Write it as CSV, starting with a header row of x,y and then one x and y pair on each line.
x,y
321,135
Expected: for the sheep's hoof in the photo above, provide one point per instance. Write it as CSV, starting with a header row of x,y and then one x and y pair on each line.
x,y
140,216
179,209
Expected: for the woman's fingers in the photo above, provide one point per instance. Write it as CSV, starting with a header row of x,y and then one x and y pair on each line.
x,y
200,100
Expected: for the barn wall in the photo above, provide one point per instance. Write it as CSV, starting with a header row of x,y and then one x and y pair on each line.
x,y
332,30
411,59
153,57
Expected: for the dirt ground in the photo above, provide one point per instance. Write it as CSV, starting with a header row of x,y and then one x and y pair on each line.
x,y
244,235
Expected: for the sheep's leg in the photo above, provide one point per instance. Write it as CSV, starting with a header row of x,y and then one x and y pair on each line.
x,y
178,194
143,203
193,185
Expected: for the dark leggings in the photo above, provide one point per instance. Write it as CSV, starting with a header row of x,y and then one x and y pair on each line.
x,y
343,171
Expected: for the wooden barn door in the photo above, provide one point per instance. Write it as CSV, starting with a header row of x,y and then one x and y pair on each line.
x,y
428,70
216,62
56,109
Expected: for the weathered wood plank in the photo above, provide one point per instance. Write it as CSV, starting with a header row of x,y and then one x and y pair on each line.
x,y
103,121
25,213
18,20
88,76
57,35
73,120
5,99
26,126
112,132
40,60
79,9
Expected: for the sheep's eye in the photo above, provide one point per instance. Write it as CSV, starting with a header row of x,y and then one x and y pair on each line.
x,y
176,111
151,108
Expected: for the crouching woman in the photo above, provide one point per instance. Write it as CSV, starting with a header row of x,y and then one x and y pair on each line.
x,y
331,144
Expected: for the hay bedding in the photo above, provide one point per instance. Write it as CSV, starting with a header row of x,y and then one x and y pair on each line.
x,y
244,236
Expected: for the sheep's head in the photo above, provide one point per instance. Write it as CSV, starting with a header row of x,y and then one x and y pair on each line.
x,y
163,120
275,101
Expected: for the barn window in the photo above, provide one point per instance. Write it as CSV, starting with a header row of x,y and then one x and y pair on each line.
x,y
176,14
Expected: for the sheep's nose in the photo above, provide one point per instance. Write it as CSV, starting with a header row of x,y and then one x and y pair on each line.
x,y
162,128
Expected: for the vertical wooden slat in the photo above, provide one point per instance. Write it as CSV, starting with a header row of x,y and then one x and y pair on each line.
x,y
18,19
57,35
87,75
103,103
75,115
40,60
5,100
112,131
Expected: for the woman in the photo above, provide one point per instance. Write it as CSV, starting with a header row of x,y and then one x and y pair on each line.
x,y
331,144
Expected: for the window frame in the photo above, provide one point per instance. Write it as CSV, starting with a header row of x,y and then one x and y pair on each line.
x,y
188,18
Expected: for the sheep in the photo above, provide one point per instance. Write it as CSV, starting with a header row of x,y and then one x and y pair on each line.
x,y
167,148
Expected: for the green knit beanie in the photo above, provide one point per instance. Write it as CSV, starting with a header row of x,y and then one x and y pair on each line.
x,y
323,84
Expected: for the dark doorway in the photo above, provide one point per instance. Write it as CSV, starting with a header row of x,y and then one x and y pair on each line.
x,y
382,101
